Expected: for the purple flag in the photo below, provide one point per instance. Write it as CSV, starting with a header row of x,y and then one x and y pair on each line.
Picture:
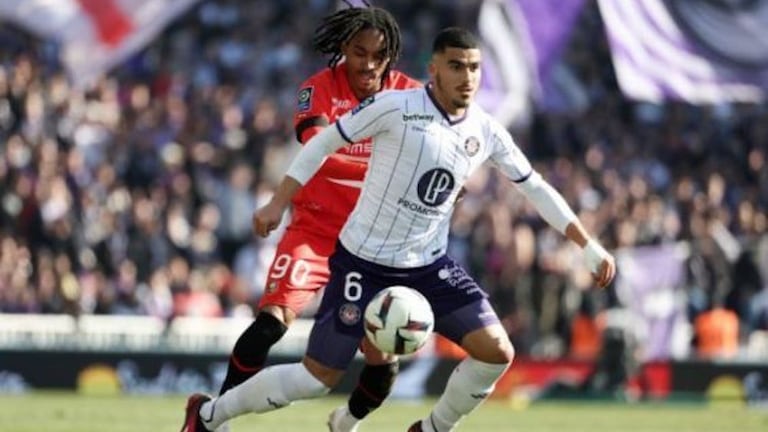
x,y
649,283
522,40
689,50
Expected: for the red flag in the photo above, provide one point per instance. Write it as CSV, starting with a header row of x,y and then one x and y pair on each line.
x,y
95,35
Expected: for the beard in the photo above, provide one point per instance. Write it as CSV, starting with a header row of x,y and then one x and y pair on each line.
x,y
457,103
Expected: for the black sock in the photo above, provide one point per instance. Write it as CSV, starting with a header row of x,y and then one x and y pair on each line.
x,y
373,387
251,349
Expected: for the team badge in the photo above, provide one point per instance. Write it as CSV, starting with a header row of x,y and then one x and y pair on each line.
x,y
471,146
349,313
272,287
364,103
304,99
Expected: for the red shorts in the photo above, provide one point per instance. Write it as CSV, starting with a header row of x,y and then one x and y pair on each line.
x,y
298,271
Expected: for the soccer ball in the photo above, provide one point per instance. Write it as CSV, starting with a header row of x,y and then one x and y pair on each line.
x,y
398,320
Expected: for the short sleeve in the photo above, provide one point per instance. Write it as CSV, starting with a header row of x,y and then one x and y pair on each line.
x,y
370,117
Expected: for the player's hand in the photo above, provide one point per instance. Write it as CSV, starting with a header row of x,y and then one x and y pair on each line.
x,y
267,218
600,263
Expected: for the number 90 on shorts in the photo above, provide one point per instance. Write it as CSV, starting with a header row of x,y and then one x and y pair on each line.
x,y
297,272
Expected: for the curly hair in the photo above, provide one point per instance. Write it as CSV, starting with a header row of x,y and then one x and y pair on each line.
x,y
341,26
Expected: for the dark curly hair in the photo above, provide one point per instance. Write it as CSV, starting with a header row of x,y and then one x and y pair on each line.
x,y
341,26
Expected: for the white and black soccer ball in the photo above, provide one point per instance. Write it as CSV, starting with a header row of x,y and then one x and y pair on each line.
x,y
398,320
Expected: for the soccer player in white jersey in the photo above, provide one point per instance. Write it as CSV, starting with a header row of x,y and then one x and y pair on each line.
x,y
426,143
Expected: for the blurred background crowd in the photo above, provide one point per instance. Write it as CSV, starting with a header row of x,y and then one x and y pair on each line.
x,y
136,196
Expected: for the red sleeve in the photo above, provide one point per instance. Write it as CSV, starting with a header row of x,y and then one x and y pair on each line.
x,y
313,102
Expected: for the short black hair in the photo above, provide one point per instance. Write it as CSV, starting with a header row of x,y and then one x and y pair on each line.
x,y
343,25
455,37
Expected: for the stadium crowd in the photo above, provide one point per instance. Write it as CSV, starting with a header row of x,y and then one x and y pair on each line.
x,y
136,196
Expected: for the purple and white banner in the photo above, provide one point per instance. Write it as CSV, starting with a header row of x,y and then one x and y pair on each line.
x,y
689,50
649,283
522,40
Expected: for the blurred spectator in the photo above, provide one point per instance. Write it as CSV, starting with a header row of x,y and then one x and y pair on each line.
x,y
717,333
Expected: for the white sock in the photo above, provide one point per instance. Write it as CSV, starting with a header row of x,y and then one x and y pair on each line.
x,y
469,385
347,421
272,388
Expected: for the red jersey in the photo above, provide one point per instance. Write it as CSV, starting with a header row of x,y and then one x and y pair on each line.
x,y
323,204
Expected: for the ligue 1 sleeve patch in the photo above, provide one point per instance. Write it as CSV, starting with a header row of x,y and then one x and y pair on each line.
x,y
304,99
364,103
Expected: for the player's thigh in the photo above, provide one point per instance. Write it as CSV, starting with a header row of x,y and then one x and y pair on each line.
x,y
329,376
463,313
338,327
298,271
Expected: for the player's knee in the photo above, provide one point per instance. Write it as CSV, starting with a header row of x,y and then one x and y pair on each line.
x,y
282,314
305,385
375,357
379,378
490,345
501,353
506,353
269,327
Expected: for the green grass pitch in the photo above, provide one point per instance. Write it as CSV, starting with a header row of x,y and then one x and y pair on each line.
x,y
69,412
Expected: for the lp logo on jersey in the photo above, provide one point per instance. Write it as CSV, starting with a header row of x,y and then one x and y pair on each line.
x,y
435,186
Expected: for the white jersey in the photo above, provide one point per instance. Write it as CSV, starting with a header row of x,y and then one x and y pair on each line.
x,y
419,162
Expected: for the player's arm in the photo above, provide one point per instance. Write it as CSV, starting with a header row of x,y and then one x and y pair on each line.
x,y
553,208
360,123
556,211
303,167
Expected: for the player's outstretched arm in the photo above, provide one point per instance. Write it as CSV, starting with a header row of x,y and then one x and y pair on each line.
x,y
267,218
599,261
303,167
556,211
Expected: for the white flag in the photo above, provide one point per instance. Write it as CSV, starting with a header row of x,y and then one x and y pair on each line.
x,y
95,35
689,50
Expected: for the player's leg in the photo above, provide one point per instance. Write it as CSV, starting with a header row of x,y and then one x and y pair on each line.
x,y
357,282
464,316
473,380
298,271
278,386
373,386
252,347
333,342
271,388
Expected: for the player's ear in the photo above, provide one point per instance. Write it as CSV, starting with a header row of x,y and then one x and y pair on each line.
x,y
344,47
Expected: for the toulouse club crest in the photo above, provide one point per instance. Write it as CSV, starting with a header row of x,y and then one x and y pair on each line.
x,y
349,313
471,146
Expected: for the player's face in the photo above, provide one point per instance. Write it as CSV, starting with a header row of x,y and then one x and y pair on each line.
x,y
366,57
455,74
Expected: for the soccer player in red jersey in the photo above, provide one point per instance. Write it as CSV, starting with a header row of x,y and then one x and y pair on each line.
x,y
364,43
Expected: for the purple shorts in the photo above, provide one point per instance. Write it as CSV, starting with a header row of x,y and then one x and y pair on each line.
x,y
459,304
